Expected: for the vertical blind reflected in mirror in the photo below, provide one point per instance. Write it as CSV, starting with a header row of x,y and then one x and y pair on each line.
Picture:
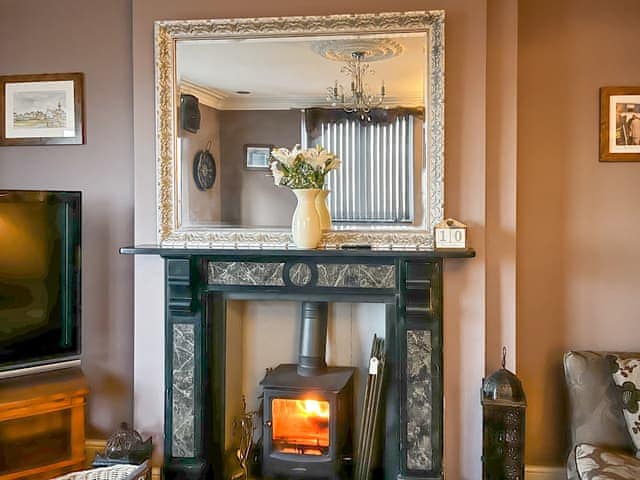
x,y
376,180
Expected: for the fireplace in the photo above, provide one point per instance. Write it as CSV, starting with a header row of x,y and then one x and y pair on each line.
x,y
200,281
307,408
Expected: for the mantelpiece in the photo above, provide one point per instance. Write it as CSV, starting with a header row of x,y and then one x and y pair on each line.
x,y
198,282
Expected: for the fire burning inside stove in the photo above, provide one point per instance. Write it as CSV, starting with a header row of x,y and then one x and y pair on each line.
x,y
300,426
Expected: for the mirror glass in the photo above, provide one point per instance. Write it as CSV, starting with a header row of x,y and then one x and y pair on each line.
x,y
360,96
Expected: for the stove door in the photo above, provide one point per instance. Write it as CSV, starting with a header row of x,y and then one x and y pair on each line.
x,y
299,435
300,426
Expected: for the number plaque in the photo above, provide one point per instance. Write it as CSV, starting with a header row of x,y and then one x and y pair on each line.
x,y
450,234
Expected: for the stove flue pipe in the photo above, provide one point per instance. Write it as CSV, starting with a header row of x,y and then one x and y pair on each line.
x,y
313,338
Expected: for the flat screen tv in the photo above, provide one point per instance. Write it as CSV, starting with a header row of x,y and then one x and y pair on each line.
x,y
39,278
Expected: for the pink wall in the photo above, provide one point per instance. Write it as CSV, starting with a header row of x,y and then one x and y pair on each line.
x,y
201,206
95,38
502,71
241,187
465,192
578,224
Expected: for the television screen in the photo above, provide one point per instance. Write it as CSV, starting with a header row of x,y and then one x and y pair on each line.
x,y
39,277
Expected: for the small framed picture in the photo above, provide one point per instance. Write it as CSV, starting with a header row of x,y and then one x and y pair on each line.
x,y
257,156
620,124
45,109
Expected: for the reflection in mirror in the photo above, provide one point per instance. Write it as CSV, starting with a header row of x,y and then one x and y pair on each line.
x,y
361,97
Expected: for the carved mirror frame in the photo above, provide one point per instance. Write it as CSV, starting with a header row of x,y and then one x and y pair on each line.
x,y
167,33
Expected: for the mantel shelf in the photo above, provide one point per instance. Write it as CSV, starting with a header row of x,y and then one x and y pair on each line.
x,y
346,252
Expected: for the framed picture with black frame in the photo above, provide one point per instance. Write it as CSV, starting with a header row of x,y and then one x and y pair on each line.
x,y
257,156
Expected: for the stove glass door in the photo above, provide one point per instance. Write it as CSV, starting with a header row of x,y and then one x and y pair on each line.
x,y
300,426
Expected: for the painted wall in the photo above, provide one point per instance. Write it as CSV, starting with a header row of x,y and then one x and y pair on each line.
x,y
250,197
95,38
198,206
464,328
576,282
577,256
501,151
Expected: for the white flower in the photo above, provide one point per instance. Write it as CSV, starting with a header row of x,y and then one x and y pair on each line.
x,y
318,158
277,173
296,151
313,157
323,158
284,156
332,163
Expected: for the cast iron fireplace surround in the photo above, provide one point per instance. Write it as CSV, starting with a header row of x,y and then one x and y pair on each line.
x,y
198,282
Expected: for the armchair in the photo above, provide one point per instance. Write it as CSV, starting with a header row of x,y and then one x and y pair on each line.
x,y
601,446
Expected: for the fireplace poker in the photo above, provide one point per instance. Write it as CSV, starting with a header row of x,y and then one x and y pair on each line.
x,y
370,426
366,415
367,393
366,433
378,395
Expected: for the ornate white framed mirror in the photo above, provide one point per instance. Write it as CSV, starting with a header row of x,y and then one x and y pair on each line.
x,y
369,88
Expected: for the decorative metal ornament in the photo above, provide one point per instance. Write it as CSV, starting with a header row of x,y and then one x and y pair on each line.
x,y
124,446
503,407
122,442
245,424
204,169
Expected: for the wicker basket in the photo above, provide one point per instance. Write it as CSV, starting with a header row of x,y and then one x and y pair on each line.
x,y
116,472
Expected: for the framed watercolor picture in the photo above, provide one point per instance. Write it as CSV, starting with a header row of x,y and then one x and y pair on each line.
x,y
257,156
43,109
620,124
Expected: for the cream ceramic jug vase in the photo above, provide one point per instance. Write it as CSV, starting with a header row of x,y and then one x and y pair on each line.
x,y
323,210
305,226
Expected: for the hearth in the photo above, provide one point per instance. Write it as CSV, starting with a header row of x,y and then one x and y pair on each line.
x,y
307,427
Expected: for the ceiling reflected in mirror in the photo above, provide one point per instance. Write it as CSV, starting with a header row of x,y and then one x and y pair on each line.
x,y
285,73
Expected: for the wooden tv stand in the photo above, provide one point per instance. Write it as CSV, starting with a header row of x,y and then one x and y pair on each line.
x,y
42,424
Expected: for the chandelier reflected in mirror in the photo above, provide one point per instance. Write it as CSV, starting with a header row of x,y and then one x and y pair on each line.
x,y
357,54
360,100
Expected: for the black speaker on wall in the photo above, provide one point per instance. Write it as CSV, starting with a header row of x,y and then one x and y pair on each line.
x,y
189,113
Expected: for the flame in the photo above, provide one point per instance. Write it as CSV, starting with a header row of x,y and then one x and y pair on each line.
x,y
300,426
313,408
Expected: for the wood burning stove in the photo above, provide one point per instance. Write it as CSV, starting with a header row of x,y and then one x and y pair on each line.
x,y
307,423
307,427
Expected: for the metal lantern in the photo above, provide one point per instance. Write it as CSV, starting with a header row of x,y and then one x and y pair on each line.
x,y
503,407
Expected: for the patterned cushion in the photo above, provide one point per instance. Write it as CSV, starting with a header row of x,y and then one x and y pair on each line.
x,y
115,472
626,375
596,416
596,463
